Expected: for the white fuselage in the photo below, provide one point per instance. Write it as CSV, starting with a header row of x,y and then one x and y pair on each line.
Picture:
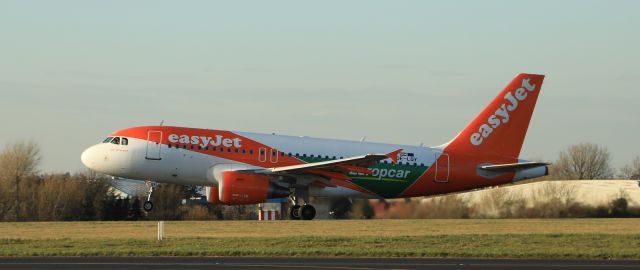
x,y
189,167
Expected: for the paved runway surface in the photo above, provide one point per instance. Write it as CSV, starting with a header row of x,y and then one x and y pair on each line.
x,y
184,263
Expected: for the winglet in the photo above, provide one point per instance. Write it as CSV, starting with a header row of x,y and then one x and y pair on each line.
x,y
394,155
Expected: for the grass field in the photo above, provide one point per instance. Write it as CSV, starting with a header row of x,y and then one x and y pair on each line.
x,y
527,238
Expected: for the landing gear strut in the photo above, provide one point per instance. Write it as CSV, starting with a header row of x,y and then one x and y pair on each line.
x,y
148,205
305,211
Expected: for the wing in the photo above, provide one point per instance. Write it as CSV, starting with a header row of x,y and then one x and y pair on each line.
x,y
351,164
331,172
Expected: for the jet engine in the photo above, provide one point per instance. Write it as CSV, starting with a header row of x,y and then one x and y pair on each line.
x,y
246,188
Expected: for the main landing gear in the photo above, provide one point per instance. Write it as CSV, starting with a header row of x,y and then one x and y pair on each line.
x,y
148,205
305,211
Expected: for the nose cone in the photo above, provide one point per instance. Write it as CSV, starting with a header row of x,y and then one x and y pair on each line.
x,y
88,158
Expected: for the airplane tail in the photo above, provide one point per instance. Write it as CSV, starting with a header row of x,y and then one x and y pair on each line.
x,y
500,128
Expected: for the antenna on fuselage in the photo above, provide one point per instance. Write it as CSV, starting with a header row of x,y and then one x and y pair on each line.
x,y
161,122
363,138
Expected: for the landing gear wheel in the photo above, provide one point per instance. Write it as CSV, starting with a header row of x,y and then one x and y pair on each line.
x,y
147,206
307,212
294,212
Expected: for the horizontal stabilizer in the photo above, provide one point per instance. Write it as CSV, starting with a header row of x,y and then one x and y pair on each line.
x,y
512,166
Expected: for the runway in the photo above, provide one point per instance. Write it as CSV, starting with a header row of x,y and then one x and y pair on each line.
x,y
184,263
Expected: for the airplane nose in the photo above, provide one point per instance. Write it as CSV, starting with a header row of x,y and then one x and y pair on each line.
x,y
87,158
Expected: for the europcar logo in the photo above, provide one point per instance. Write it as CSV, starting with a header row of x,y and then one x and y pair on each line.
x,y
501,115
205,141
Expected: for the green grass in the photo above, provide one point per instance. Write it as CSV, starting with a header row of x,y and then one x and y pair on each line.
x,y
561,239
592,246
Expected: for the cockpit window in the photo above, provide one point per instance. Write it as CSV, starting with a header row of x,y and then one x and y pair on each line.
x,y
116,140
125,141
108,139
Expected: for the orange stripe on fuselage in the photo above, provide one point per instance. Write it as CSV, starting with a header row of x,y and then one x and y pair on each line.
x,y
227,153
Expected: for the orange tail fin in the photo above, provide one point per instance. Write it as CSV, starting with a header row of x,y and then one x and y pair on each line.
x,y
500,128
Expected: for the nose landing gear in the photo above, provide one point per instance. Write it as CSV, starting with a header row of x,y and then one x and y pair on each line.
x,y
148,205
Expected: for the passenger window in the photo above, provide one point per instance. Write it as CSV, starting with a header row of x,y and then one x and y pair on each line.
x,y
108,139
250,152
125,141
116,140
244,151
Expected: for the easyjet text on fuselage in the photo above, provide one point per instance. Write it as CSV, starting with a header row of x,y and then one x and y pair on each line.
x,y
204,141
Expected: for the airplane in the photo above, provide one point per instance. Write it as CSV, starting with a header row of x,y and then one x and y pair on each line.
x,y
250,168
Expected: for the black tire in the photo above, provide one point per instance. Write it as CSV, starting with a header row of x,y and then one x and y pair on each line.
x,y
147,206
294,212
307,212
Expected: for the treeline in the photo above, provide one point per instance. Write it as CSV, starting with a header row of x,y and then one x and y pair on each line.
x,y
589,161
31,197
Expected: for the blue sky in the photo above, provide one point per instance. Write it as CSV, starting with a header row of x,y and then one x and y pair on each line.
x,y
395,71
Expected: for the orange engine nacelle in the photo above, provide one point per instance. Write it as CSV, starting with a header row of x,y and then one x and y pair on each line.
x,y
246,188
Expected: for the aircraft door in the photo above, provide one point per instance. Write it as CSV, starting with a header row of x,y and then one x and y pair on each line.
x,y
442,168
262,154
154,144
